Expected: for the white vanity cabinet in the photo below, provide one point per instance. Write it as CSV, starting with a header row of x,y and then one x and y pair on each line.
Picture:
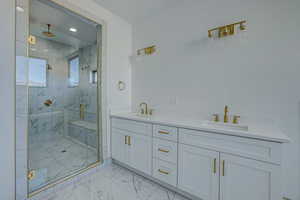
x,y
165,142
200,164
140,153
132,144
120,149
212,167
248,179
198,172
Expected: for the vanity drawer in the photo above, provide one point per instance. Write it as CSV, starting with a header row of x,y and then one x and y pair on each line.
x,y
165,172
132,126
165,150
250,148
165,132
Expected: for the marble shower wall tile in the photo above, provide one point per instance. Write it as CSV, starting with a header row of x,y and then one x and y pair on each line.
x,y
44,126
83,135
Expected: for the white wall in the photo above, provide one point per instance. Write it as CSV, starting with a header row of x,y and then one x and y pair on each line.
x,y
255,72
7,107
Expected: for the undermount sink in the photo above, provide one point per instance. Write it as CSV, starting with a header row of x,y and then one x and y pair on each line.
x,y
221,125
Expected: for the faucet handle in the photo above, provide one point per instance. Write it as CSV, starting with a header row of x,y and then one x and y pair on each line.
x,y
151,111
216,117
236,119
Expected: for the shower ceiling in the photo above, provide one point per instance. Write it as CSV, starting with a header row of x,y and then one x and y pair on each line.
x,y
61,22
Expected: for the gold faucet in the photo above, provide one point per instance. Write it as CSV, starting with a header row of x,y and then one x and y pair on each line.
x,y
216,118
236,119
144,111
226,114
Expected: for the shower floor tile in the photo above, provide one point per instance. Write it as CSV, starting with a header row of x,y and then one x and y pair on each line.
x,y
56,158
110,182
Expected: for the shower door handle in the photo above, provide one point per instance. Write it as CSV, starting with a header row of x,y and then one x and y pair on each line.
x,y
129,140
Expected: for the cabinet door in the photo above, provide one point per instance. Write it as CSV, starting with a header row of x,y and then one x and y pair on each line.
x,y
140,153
119,146
248,179
198,172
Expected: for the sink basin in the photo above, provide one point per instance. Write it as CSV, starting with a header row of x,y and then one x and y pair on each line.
x,y
221,125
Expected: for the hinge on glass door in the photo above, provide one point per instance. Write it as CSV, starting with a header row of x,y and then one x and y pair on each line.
x,y
31,175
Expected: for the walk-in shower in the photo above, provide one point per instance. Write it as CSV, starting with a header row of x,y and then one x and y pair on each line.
x,y
63,94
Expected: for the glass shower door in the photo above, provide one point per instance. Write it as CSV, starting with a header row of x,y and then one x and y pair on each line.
x,y
63,103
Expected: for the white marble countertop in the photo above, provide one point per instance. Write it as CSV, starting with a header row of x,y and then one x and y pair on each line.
x,y
255,132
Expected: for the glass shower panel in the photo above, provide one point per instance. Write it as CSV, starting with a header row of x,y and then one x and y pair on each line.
x,y
21,119
21,92
63,136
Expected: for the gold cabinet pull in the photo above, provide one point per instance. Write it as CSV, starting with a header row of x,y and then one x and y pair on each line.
x,y
163,172
223,168
125,139
163,150
129,140
215,166
164,132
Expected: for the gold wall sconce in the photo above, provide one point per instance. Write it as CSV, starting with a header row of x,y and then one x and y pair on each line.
x,y
146,51
227,29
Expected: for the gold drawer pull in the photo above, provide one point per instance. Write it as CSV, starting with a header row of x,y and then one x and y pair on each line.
x,y
223,168
162,150
163,172
164,132
215,166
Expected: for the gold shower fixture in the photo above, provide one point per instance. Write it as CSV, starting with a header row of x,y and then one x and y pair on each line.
x,y
81,111
48,33
227,29
48,102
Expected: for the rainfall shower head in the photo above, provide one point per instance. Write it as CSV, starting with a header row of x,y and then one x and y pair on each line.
x,y
48,33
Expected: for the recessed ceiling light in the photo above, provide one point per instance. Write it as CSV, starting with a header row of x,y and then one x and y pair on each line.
x,y
73,30
20,9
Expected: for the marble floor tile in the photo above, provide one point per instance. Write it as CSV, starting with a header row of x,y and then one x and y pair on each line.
x,y
111,182
56,158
